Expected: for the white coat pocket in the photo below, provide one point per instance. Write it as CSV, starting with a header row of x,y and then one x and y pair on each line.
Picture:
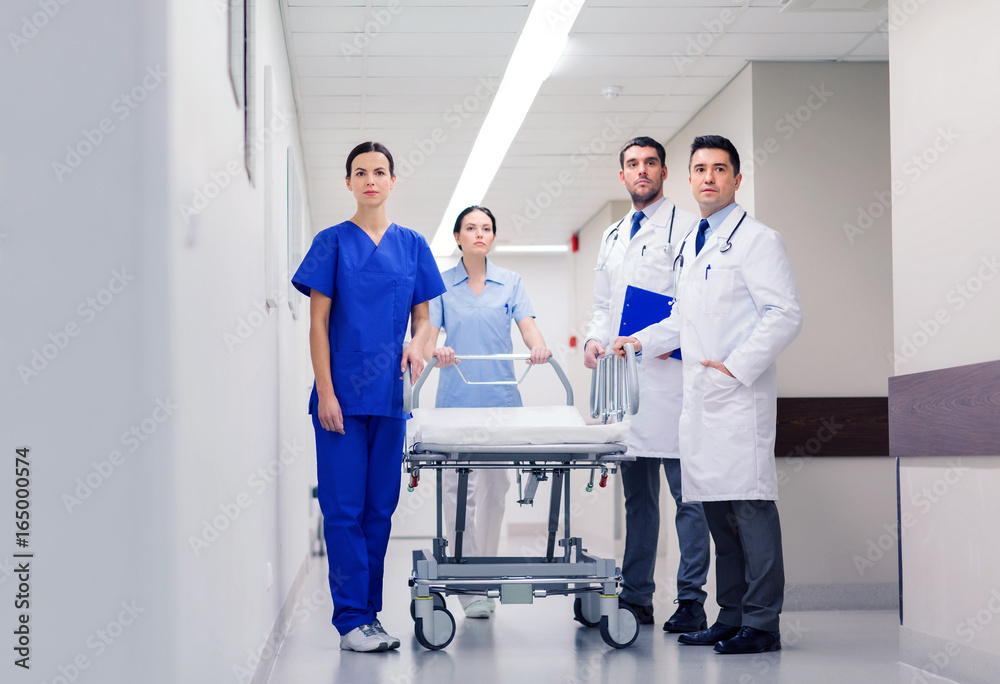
x,y
718,292
654,271
728,403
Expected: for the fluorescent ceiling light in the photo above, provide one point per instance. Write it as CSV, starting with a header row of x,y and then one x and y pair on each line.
x,y
538,49
531,249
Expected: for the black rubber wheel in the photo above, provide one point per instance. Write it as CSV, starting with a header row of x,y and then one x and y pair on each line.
x,y
437,635
580,614
628,628
438,603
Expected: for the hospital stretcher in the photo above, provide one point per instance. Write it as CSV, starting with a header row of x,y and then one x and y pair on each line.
x,y
539,444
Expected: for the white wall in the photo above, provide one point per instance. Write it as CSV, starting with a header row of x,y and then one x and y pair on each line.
x,y
148,351
944,102
943,240
821,160
66,234
730,114
242,372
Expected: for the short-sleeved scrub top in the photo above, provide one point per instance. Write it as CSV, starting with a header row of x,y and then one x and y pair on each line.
x,y
373,289
479,325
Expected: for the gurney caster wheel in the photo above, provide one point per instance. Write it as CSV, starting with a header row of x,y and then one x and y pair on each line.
x,y
438,603
628,628
587,610
439,632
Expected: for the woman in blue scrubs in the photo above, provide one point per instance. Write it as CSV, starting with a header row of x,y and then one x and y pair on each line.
x,y
476,312
364,278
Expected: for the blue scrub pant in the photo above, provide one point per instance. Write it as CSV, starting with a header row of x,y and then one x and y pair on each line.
x,y
641,482
359,481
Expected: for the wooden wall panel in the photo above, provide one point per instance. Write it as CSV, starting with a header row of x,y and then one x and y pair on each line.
x,y
947,412
833,426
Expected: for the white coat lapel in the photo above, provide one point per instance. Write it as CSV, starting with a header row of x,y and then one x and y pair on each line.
x,y
719,236
660,220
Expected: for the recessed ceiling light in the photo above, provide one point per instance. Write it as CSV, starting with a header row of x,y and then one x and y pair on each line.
x,y
539,47
531,249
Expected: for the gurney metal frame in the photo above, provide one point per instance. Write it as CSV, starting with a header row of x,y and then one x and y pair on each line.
x,y
614,392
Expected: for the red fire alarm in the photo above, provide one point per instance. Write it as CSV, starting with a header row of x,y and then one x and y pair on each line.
x,y
572,339
574,243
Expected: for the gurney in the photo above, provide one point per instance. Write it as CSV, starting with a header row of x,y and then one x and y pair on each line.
x,y
539,444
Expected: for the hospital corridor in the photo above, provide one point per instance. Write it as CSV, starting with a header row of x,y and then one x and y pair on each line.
x,y
440,341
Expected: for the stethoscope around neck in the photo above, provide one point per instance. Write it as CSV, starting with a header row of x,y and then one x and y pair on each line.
x,y
613,237
725,248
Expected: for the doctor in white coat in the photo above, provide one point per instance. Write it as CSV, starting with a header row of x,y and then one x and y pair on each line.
x,y
638,251
737,309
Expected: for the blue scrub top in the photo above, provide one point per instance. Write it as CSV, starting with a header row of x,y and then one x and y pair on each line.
x,y
480,325
373,289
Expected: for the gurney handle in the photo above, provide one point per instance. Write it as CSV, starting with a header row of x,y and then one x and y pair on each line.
x,y
411,394
602,405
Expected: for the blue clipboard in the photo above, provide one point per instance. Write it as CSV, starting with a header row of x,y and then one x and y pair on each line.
x,y
643,308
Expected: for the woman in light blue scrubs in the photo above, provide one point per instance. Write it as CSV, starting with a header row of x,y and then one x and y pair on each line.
x,y
364,278
476,313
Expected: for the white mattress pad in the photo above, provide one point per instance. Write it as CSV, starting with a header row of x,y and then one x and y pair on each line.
x,y
509,425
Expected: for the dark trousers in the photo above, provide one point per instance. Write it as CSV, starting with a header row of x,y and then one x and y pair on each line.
x,y
749,569
641,483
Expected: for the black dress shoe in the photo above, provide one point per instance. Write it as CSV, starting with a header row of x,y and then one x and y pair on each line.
x,y
644,613
708,637
750,640
689,617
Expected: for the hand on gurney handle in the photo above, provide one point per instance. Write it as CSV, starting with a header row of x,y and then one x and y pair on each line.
x,y
413,356
445,357
539,355
619,347
592,351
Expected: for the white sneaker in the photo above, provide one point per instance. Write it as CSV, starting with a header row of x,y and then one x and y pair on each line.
x,y
364,639
478,609
391,640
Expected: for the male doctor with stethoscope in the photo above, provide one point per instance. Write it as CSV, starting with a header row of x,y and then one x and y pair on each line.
x,y
737,309
634,278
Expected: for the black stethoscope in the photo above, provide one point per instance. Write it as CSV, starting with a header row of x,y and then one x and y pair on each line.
x,y
725,248
613,236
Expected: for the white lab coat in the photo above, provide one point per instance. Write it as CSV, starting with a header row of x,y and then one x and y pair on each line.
x,y
622,262
743,311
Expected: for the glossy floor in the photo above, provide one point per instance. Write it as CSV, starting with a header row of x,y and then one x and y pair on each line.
x,y
541,643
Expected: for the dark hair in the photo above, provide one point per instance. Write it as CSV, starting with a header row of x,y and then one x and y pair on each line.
x,y
716,142
643,141
468,210
370,147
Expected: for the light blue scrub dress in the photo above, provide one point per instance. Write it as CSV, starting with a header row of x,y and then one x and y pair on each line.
x,y
373,289
479,325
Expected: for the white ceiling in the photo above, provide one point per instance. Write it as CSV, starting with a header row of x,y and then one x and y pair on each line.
x,y
421,84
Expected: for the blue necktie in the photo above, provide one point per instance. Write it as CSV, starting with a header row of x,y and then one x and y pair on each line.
x,y
636,217
699,241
